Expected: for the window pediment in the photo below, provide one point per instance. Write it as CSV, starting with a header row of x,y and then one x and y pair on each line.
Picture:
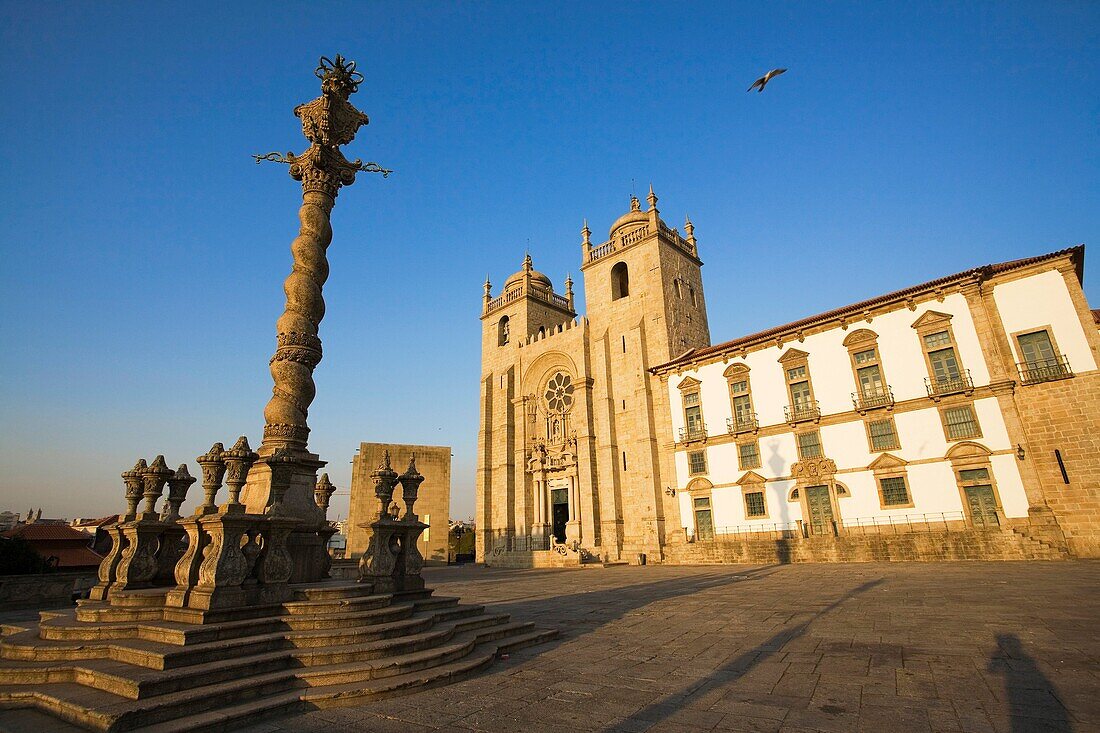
x,y
688,383
887,462
699,484
968,449
860,336
931,319
793,355
736,370
751,478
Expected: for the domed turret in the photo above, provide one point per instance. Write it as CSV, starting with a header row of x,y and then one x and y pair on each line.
x,y
634,216
528,270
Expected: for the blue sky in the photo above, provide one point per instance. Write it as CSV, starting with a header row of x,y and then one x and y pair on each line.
x,y
144,251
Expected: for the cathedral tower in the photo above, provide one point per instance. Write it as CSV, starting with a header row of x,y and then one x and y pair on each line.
x,y
571,417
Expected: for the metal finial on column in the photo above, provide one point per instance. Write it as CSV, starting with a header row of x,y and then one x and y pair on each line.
x,y
327,122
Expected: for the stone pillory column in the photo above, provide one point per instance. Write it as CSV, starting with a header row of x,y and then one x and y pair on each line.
x,y
328,122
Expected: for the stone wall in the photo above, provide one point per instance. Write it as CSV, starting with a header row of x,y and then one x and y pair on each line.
x,y
432,505
972,544
1065,416
42,590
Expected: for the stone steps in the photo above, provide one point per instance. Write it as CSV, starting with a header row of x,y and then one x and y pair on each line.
x,y
221,701
329,644
228,719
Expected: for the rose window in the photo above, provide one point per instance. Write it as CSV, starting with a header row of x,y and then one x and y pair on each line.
x,y
559,393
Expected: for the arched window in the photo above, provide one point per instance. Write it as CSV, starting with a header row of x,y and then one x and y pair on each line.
x,y
620,281
542,331
679,291
502,331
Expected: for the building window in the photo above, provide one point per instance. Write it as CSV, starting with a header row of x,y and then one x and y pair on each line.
x,y
503,331
754,504
679,290
796,369
693,416
620,281
691,292
624,460
743,418
1041,360
894,491
809,445
960,423
883,435
946,374
697,462
748,454
871,387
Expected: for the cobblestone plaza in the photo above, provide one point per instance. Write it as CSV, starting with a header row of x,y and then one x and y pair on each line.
x,y
1001,647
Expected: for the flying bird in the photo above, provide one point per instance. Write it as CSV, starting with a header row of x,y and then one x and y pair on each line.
x,y
763,81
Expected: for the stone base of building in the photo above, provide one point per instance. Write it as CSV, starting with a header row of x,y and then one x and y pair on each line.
x,y
1016,543
521,559
121,665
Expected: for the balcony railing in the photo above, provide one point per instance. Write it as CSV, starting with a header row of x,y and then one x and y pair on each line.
x,y
810,410
938,387
868,399
693,432
1045,370
742,424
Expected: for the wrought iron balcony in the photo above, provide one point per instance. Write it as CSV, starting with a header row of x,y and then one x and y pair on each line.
x,y
938,387
742,424
868,399
810,410
1045,370
693,432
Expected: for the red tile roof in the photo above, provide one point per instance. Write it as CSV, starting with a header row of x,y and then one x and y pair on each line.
x,y
47,532
71,557
1077,254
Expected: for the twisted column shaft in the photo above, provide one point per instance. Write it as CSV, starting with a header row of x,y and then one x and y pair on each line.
x,y
299,347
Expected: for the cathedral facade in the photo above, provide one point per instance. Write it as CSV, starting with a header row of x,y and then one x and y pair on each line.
x,y
959,418
572,417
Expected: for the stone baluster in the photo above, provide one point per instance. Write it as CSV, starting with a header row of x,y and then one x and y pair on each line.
x,y
139,564
238,461
174,537
213,470
410,488
108,567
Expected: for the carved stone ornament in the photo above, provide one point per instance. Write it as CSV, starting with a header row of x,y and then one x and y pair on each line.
x,y
213,470
154,477
134,484
813,469
323,492
178,485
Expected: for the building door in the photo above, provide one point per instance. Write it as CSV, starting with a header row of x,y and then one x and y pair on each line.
x,y
983,505
559,513
704,520
821,510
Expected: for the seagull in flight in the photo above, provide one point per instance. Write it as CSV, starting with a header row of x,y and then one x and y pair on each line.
x,y
763,81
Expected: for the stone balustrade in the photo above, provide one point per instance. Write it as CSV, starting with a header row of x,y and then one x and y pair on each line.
x,y
220,556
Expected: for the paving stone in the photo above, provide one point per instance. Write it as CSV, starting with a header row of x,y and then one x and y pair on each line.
x,y
968,647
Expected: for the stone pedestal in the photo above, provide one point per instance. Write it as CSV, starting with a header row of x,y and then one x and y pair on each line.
x,y
392,561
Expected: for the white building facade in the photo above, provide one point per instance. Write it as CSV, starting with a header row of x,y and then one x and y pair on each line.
x,y
936,405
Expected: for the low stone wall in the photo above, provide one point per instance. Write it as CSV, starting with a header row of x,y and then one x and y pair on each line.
x,y
973,544
43,590
519,559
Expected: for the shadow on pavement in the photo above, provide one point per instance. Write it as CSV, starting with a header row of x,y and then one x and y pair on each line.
x,y
733,670
1033,703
